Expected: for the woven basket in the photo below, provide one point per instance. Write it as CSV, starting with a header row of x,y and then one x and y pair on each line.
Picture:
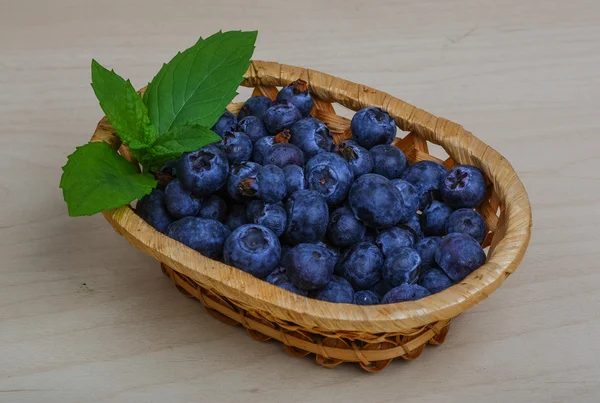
x,y
369,335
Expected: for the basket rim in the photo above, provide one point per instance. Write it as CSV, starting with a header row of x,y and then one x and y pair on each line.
x,y
255,294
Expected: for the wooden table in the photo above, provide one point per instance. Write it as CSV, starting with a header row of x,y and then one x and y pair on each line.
x,y
84,317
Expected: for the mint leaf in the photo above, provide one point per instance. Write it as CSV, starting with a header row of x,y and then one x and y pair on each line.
x,y
96,178
123,107
179,140
197,84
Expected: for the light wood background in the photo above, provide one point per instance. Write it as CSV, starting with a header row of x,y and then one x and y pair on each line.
x,y
84,317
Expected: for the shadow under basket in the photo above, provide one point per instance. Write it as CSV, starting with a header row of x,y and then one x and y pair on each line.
x,y
371,336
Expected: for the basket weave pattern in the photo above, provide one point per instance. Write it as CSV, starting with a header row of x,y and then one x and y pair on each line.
x,y
369,335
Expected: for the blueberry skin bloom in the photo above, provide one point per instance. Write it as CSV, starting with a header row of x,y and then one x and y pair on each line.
x,y
253,127
468,222
402,267
361,266
358,158
338,290
241,183
272,216
310,266
308,216
252,248
294,178
202,235
388,161
391,239
237,147
410,199
434,218
435,280
281,116
366,297
463,186
376,201
204,171
426,177
214,208
344,229
226,122
297,94
153,210
372,126
405,292
426,248
282,154
236,217
255,106
311,136
330,175
459,255
261,148
270,181
280,278
179,201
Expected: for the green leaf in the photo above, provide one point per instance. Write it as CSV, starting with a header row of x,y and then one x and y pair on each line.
x,y
96,178
179,140
123,107
197,84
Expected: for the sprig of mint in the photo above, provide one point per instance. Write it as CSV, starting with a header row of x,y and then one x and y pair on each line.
x,y
181,103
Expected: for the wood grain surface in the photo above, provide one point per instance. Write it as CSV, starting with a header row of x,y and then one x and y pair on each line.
x,y
84,317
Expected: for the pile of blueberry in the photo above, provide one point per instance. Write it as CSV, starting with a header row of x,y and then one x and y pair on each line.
x,y
348,223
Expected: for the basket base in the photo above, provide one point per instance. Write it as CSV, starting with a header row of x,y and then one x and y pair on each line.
x,y
373,352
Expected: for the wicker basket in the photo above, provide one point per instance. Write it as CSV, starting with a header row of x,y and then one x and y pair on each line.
x,y
369,335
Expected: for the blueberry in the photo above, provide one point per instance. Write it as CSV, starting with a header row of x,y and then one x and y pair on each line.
x,y
380,288
434,218
426,248
282,154
236,217
344,229
261,148
338,290
372,126
297,94
311,136
204,171
370,235
410,199
252,248
308,216
241,183
253,127
281,116
361,265
435,280
237,147
414,225
153,210
376,201
202,235
459,255
468,222
463,186
366,297
294,178
214,208
330,175
391,239
402,267
280,278
388,161
285,256
358,158
255,106
226,122
310,266
166,174
270,182
179,201
405,292
253,207
426,177
272,216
